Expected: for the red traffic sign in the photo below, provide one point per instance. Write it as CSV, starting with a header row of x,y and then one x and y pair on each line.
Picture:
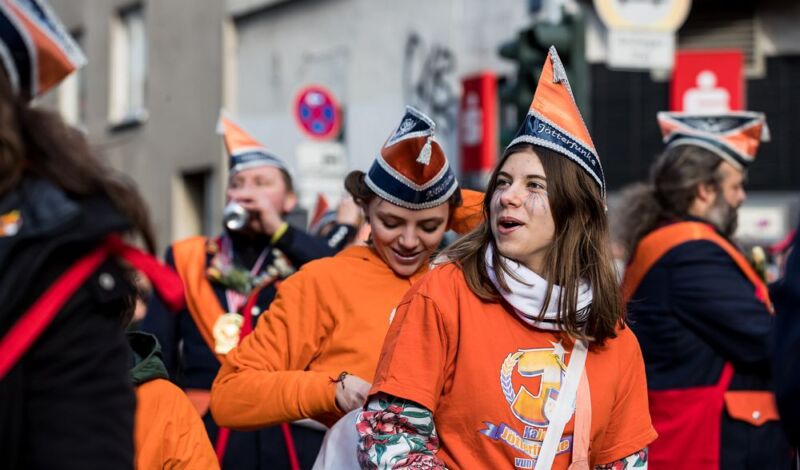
x,y
707,82
317,112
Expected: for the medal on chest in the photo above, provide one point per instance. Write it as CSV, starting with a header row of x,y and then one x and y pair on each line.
x,y
227,330
240,284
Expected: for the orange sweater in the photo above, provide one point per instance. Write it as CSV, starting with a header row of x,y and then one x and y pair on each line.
x,y
168,432
329,317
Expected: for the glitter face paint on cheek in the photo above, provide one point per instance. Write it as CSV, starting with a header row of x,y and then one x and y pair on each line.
x,y
496,198
535,199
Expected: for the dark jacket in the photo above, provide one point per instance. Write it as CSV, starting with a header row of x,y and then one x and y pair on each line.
x,y
786,361
694,311
68,403
339,236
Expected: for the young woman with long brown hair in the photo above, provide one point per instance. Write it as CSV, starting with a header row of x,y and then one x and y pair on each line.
x,y
491,355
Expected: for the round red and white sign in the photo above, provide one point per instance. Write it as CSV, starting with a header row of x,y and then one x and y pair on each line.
x,y
317,112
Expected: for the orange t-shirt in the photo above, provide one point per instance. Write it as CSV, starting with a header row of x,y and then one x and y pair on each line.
x,y
489,378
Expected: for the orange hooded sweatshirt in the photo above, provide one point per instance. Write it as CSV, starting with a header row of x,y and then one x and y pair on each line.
x,y
329,317
168,432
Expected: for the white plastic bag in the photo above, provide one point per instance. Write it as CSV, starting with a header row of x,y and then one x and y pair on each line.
x,y
339,448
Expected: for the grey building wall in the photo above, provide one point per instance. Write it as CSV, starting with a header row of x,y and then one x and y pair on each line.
x,y
360,50
184,91
253,56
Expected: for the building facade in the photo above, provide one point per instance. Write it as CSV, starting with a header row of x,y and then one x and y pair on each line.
x,y
160,70
149,99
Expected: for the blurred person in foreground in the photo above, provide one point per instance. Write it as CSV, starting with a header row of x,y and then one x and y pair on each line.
x,y
781,251
65,397
168,432
786,367
514,353
701,313
313,353
229,281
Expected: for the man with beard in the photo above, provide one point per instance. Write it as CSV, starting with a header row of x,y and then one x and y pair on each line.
x,y
701,313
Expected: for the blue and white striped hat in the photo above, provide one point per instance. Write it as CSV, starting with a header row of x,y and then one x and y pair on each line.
x,y
412,171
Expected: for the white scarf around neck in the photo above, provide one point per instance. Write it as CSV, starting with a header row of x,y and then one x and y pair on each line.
x,y
527,297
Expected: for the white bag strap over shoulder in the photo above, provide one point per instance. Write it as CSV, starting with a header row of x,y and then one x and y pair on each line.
x,y
582,435
565,405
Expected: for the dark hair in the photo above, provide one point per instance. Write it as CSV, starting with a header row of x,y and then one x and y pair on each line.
x,y
674,178
38,142
580,249
355,185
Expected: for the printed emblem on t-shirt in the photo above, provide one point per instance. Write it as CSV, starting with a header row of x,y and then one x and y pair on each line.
x,y
530,380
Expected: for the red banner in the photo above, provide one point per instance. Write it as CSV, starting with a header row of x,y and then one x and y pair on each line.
x,y
708,82
478,123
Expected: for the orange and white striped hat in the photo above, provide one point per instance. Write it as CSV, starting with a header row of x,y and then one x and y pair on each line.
x,y
35,49
412,170
244,151
734,136
555,122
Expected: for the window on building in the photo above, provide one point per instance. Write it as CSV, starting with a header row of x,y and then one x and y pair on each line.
x,y
72,94
128,77
192,204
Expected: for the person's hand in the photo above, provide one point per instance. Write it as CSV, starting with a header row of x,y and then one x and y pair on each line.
x,y
348,212
351,392
262,209
143,291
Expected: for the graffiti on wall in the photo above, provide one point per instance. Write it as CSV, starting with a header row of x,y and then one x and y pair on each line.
x,y
428,80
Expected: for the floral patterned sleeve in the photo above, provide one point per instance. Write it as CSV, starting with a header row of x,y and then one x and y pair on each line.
x,y
637,461
397,434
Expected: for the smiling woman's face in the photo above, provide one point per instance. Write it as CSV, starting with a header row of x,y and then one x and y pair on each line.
x,y
405,238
